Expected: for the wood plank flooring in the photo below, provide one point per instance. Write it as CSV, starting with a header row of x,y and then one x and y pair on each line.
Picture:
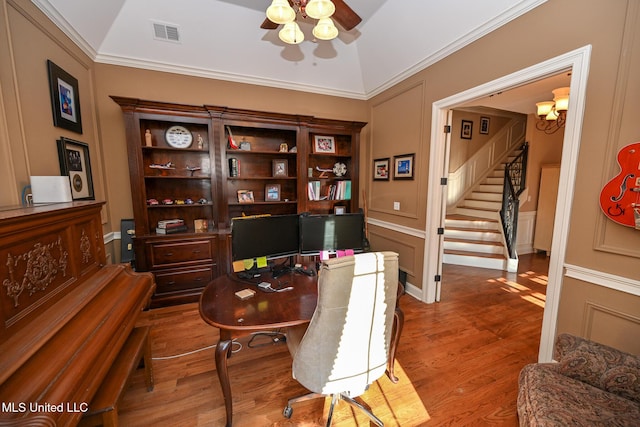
x,y
458,363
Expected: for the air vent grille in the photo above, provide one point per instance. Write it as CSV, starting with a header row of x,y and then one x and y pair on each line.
x,y
166,32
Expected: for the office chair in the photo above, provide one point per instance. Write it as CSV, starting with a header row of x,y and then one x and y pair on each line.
x,y
345,347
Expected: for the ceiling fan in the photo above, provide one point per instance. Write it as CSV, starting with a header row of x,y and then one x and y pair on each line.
x,y
343,15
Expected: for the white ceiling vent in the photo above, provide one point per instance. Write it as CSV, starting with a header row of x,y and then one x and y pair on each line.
x,y
166,32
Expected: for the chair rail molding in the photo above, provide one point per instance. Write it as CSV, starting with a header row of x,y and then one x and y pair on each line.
x,y
607,280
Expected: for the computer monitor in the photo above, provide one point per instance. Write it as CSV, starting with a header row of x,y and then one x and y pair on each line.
x,y
331,233
273,236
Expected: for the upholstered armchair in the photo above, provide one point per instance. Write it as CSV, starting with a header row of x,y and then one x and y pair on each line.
x,y
345,347
591,385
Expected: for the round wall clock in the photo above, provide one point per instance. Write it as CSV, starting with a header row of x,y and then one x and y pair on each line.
x,y
178,137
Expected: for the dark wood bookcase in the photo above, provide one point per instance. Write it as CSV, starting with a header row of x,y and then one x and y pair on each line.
x,y
265,170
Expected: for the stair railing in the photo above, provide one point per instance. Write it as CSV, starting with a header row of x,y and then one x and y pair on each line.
x,y
514,184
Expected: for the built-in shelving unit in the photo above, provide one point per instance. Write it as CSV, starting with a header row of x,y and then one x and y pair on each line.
x,y
230,163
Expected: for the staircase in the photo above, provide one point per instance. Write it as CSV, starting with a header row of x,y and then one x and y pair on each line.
x,y
473,234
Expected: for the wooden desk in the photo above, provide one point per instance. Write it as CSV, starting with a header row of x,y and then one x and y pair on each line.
x,y
235,318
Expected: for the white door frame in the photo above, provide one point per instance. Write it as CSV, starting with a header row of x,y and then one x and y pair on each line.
x,y
577,62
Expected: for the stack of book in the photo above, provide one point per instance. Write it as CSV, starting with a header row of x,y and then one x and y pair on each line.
x,y
341,190
170,226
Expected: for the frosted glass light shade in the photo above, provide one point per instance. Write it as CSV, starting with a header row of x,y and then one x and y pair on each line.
x,y
325,29
319,9
561,98
291,33
544,108
280,12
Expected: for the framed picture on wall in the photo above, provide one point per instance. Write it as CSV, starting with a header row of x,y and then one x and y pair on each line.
x,y
381,169
466,129
403,166
74,162
484,125
65,99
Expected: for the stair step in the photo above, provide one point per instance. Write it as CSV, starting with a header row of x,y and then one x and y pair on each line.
x,y
473,254
475,247
481,204
490,196
473,234
489,186
471,223
487,214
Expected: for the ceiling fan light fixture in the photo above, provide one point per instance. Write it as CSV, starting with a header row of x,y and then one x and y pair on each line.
x,y
320,9
325,29
291,33
280,12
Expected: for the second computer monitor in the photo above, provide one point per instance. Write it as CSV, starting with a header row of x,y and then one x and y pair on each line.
x,y
331,233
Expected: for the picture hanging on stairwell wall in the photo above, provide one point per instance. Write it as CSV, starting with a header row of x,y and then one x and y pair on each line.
x,y
466,129
484,125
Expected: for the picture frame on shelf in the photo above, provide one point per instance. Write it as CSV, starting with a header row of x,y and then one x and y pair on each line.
x,y
339,210
284,148
245,196
272,193
466,130
403,166
280,168
484,125
65,98
324,144
381,169
76,164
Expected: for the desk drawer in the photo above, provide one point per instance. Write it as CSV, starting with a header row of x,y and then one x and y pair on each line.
x,y
176,252
171,281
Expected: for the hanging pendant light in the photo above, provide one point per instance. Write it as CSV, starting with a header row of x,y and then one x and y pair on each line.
x,y
319,9
280,12
291,33
325,29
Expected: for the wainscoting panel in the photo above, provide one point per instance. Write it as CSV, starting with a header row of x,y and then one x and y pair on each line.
x,y
601,307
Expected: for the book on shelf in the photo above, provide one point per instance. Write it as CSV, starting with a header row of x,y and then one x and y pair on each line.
x,y
168,223
179,229
341,190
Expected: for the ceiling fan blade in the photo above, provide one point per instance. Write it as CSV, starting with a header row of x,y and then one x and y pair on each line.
x,y
268,25
345,16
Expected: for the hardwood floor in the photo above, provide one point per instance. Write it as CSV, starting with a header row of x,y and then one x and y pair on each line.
x,y
458,363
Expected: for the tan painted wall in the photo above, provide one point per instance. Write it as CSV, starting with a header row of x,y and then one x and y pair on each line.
x,y
610,122
400,122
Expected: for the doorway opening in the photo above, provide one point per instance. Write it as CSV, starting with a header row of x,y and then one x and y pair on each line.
x,y
577,63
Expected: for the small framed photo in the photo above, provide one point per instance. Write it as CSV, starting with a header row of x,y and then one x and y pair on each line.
x,y
403,166
466,129
280,168
339,210
245,196
284,147
65,99
272,192
484,125
74,162
381,169
324,144
201,225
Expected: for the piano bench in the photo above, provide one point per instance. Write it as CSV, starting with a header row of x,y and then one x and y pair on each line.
x,y
103,409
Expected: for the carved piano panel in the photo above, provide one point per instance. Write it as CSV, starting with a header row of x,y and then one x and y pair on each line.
x,y
42,254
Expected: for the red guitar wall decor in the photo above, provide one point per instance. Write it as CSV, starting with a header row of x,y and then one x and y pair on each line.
x,y
620,197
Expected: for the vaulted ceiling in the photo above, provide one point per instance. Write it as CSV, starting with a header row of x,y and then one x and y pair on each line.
x,y
222,39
